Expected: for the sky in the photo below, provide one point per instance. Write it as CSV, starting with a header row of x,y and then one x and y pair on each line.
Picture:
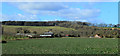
x,y
93,12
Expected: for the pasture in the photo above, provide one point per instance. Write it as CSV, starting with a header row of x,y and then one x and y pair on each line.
x,y
62,46
39,29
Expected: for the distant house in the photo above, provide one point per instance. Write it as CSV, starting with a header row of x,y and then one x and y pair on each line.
x,y
22,34
47,34
97,36
67,35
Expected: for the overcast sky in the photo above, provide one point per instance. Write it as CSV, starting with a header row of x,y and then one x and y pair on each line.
x,y
94,12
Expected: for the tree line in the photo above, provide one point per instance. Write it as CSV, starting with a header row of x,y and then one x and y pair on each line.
x,y
55,23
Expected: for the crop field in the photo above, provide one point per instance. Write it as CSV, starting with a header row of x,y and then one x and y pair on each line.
x,y
62,46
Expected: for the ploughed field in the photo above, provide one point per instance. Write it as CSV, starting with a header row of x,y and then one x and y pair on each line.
x,y
61,46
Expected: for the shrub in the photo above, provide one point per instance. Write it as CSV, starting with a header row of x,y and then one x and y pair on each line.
x,y
34,32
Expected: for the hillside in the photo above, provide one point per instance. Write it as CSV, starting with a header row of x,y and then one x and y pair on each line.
x,y
39,29
75,31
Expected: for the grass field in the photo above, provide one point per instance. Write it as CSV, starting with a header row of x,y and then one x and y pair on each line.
x,y
62,46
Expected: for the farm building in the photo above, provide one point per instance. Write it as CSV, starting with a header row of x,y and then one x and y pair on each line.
x,y
47,34
97,36
22,34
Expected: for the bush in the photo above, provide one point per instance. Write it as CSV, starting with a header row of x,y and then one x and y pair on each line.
x,y
34,32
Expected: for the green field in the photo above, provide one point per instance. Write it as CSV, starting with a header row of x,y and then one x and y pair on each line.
x,y
62,46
